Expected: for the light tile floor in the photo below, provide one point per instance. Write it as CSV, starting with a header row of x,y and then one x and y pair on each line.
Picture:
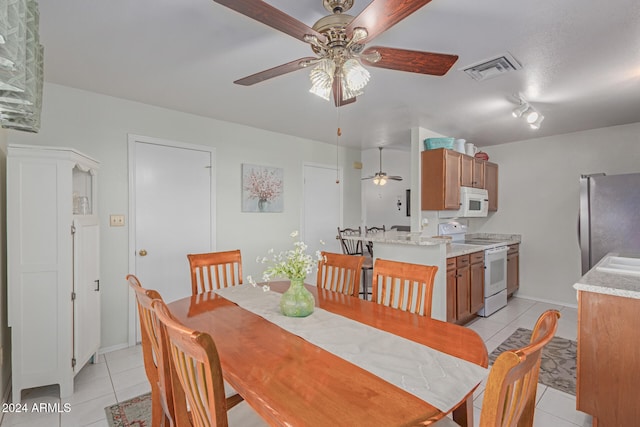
x,y
120,375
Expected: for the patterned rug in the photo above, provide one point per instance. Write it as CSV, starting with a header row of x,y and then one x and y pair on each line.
x,y
134,412
558,366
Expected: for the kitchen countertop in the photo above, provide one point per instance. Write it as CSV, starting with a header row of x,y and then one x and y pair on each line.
x,y
399,238
457,249
623,285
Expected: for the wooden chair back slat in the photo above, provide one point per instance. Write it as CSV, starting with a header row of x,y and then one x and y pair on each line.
x,y
509,399
340,273
405,286
197,367
215,270
156,362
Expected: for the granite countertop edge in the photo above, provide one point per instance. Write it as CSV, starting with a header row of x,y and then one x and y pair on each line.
x,y
622,285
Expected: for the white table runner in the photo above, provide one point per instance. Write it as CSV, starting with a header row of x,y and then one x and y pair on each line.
x,y
440,379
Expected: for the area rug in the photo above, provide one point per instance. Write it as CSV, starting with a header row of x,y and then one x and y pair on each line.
x,y
134,412
558,365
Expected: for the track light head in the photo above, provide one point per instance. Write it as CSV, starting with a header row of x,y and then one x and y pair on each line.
x,y
520,110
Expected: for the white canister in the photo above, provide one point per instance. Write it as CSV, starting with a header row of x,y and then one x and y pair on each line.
x,y
458,145
470,149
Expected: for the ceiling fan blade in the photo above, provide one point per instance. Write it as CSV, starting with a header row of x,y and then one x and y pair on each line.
x,y
395,178
413,61
337,93
273,72
263,12
381,15
369,177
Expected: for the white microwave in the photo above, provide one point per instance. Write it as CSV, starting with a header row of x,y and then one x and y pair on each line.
x,y
474,202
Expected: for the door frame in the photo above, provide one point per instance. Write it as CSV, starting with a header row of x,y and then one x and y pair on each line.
x,y
132,139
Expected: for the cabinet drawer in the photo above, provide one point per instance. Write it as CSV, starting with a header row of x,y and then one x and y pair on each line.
x,y
513,249
477,257
451,263
462,261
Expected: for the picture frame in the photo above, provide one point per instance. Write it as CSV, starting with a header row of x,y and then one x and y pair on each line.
x,y
262,188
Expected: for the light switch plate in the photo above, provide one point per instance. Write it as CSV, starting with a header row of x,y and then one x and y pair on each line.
x,y
116,220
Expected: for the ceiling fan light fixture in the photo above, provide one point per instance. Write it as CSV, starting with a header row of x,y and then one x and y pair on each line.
x,y
322,78
380,180
355,75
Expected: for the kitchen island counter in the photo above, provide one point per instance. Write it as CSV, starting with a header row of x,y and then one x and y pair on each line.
x,y
616,284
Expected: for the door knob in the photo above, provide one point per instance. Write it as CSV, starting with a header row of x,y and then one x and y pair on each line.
x,y
143,252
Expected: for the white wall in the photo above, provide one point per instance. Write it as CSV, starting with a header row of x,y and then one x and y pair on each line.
x,y
380,205
98,125
539,196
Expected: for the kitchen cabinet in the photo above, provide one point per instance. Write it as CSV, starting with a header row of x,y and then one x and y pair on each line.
x,y
608,378
451,290
440,180
466,170
465,287
491,184
513,269
478,173
445,171
53,272
476,294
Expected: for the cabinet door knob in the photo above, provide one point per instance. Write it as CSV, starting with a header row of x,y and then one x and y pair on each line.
x,y
143,252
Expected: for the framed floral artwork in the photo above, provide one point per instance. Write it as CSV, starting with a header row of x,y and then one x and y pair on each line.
x,y
262,188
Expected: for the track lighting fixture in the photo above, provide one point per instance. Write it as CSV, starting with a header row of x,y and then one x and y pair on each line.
x,y
530,114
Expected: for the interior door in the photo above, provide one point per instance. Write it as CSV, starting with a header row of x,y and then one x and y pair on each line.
x,y
322,210
86,284
173,205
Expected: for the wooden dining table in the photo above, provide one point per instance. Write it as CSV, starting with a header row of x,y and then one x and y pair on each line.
x,y
291,382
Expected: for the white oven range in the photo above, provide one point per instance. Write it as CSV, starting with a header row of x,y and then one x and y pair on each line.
x,y
495,262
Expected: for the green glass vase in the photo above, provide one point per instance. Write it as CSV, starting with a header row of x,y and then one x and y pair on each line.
x,y
297,301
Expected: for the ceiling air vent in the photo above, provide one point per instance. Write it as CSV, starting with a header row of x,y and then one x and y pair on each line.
x,y
493,67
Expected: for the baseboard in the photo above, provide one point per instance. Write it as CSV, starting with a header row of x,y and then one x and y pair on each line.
x,y
109,349
563,304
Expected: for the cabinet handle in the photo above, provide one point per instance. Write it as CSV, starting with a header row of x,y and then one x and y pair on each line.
x,y
143,252
97,282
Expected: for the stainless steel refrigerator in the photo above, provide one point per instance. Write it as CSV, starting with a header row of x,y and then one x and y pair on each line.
x,y
609,216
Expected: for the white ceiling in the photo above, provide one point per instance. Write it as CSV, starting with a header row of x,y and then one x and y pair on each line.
x,y
580,66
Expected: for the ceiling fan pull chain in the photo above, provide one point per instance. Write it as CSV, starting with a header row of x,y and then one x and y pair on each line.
x,y
338,135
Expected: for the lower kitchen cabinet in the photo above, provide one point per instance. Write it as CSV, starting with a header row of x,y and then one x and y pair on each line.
x,y
513,269
608,378
465,287
476,295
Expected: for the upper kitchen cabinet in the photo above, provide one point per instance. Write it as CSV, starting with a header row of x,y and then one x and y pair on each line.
x,y
471,172
491,184
440,179
53,270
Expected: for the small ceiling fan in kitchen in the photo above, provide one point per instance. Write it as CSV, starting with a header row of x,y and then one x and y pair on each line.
x,y
338,41
380,177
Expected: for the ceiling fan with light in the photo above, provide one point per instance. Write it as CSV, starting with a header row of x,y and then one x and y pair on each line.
x,y
338,40
380,177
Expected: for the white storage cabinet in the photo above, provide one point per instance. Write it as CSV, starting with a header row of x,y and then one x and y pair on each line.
x,y
52,265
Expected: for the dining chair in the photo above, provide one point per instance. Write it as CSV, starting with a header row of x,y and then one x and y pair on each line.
x,y
215,270
340,273
156,366
373,230
195,366
354,247
405,286
510,396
